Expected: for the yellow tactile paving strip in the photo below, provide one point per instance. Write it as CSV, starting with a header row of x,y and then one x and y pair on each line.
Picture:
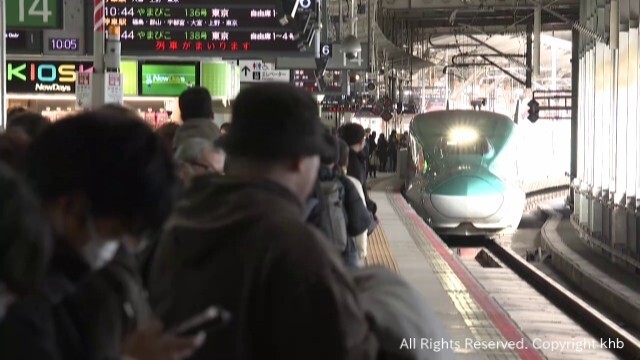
x,y
379,253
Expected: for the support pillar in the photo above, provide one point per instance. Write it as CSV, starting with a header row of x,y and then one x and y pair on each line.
x,y
575,88
537,33
97,80
3,67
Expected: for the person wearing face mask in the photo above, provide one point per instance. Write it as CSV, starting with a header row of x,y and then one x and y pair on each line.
x,y
103,179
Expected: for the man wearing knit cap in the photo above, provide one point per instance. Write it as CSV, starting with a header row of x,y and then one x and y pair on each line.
x,y
240,242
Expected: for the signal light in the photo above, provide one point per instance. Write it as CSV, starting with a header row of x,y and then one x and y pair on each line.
x,y
534,111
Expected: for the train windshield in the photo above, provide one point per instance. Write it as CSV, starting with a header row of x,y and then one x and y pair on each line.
x,y
463,142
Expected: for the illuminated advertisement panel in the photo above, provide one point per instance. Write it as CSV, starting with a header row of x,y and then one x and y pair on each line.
x,y
58,77
48,77
167,79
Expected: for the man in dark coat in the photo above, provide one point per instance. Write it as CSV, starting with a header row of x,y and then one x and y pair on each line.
x,y
240,241
354,135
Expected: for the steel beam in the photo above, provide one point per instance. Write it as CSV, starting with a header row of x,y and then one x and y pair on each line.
x,y
529,59
575,86
504,71
493,49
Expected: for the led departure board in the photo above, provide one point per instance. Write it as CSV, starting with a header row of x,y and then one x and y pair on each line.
x,y
330,83
195,26
305,79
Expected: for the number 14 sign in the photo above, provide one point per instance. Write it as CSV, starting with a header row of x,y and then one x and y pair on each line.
x,y
34,14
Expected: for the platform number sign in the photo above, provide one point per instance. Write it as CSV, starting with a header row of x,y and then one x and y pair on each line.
x,y
34,14
303,6
326,50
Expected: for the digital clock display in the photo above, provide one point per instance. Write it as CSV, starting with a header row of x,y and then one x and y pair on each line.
x,y
195,26
64,44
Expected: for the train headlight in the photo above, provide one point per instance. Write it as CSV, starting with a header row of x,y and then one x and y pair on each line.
x,y
461,136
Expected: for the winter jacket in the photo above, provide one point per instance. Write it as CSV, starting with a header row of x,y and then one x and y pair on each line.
x,y
79,314
357,169
243,245
361,240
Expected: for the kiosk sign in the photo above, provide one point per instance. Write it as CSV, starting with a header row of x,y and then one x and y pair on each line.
x,y
51,77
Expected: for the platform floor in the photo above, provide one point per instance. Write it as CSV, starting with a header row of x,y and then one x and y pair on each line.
x,y
473,317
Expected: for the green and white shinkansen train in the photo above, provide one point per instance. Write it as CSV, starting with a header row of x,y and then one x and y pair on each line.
x,y
462,172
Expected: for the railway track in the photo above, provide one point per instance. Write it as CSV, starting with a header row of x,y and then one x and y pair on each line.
x,y
575,308
539,196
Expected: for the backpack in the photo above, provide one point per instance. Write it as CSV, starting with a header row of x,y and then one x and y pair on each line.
x,y
333,193
398,313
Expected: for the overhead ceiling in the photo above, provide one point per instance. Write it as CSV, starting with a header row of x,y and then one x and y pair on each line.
x,y
413,34
446,16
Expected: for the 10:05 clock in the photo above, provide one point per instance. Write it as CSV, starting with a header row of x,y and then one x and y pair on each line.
x,y
64,44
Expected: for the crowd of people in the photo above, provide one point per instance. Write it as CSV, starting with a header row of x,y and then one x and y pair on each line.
x,y
382,154
113,235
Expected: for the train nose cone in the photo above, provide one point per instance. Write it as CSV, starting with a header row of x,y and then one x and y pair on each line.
x,y
468,196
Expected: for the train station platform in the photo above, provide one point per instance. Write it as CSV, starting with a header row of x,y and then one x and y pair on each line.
x,y
480,322
579,257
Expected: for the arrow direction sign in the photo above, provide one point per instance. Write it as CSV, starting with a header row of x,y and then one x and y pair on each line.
x,y
248,68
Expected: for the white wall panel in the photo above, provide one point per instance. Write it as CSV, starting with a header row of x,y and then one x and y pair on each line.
x,y
598,120
621,113
610,118
632,151
581,119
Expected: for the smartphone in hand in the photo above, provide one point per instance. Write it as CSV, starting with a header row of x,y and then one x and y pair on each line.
x,y
213,317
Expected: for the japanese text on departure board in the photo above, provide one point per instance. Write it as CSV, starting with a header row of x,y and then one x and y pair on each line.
x,y
165,26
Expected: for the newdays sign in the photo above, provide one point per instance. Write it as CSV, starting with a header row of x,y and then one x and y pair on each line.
x,y
51,77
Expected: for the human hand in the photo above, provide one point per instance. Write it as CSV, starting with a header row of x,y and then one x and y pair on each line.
x,y
150,343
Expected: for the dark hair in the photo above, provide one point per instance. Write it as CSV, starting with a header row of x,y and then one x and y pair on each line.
x,y
167,132
13,149
195,103
352,133
15,111
332,143
118,109
25,241
225,127
31,123
344,153
117,162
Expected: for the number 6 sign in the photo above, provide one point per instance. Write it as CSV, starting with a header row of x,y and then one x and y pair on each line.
x,y
326,50
305,4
